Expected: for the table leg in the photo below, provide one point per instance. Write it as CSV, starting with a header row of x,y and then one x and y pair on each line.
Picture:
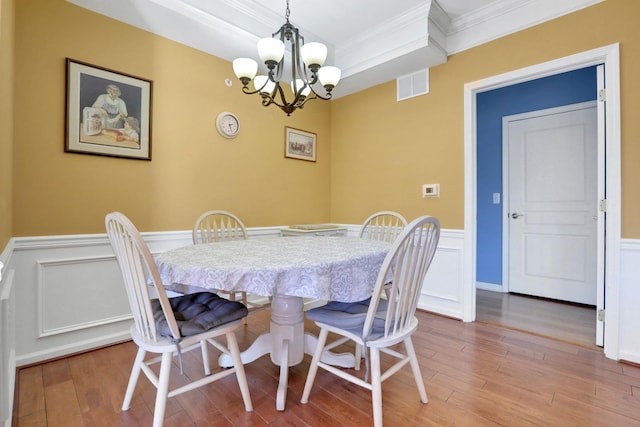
x,y
260,347
343,360
281,395
287,343
287,323
287,339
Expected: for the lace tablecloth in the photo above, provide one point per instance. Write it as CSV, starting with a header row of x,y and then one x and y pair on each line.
x,y
328,268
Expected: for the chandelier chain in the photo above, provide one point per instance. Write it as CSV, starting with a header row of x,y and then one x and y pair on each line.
x,y
287,12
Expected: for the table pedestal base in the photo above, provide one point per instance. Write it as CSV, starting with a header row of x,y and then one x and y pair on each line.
x,y
287,343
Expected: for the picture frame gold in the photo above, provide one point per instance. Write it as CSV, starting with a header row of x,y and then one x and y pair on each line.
x,y
300,144
108,113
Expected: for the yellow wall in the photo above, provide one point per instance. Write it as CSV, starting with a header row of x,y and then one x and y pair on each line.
x,y
383,151
373,153
192,169
6,119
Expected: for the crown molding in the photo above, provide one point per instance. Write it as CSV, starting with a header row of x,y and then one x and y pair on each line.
x,y
412,41
420,38
504,17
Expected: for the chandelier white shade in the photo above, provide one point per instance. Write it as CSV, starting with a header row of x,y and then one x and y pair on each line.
x,y
266,86
306,69
270,49
313,53
245,68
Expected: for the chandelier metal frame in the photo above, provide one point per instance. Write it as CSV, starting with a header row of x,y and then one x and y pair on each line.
x,y
303,78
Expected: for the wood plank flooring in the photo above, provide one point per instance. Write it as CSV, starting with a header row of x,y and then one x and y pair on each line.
x,y
476,374
573,323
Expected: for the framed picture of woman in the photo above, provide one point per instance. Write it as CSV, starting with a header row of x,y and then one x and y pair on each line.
x,y
108,113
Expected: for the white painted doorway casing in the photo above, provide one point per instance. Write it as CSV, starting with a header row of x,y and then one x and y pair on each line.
x,y
610,57
550,204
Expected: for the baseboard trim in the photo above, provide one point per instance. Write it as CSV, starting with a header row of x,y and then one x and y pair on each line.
x,y
489,287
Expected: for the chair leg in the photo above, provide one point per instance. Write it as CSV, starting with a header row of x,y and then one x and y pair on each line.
x,y
244,298
232,344
163,389
415,367
376,387
205,357
358,357
133,378
313,368
244,301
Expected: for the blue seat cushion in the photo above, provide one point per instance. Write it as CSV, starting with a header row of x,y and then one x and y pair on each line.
x,y
349,316
198,312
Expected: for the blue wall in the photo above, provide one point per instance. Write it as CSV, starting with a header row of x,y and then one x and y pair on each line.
x,y
554,91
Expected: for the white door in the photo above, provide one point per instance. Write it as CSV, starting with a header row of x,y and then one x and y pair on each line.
x,y
553,202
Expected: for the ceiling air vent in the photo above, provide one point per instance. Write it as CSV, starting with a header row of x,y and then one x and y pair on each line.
x,y
414,84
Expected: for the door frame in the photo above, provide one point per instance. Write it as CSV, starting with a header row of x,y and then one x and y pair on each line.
x,y
610,57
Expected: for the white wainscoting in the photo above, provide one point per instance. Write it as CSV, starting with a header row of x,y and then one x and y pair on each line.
x,y
68,296
7,346
442,291
442,288
629,336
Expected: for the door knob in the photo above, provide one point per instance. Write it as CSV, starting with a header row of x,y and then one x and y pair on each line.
x,y
516,215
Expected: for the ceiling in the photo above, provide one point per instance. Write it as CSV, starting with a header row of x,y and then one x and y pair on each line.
x,y
372,42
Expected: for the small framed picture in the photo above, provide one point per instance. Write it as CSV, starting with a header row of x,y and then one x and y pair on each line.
x,y
108,113
300,144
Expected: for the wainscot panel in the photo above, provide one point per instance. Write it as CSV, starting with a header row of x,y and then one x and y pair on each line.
x,y
442,288
629,297
7,345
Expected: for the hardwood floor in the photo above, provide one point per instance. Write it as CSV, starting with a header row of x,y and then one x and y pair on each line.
x,y
476,374
573,323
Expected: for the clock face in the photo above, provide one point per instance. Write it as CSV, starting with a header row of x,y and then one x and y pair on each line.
x,y
228,125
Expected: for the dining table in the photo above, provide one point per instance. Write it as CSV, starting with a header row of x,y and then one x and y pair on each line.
x,y
287,270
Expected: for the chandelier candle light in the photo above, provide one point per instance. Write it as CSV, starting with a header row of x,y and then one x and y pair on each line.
x,y
306,69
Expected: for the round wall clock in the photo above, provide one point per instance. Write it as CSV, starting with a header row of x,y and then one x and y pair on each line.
x,y
228,124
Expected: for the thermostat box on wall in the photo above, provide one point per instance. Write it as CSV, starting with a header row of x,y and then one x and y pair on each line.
x,y
430,190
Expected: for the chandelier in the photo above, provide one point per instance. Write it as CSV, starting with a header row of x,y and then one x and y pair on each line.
x,y
306,69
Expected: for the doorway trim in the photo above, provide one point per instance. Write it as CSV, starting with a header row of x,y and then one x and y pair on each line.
x,y
610,57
